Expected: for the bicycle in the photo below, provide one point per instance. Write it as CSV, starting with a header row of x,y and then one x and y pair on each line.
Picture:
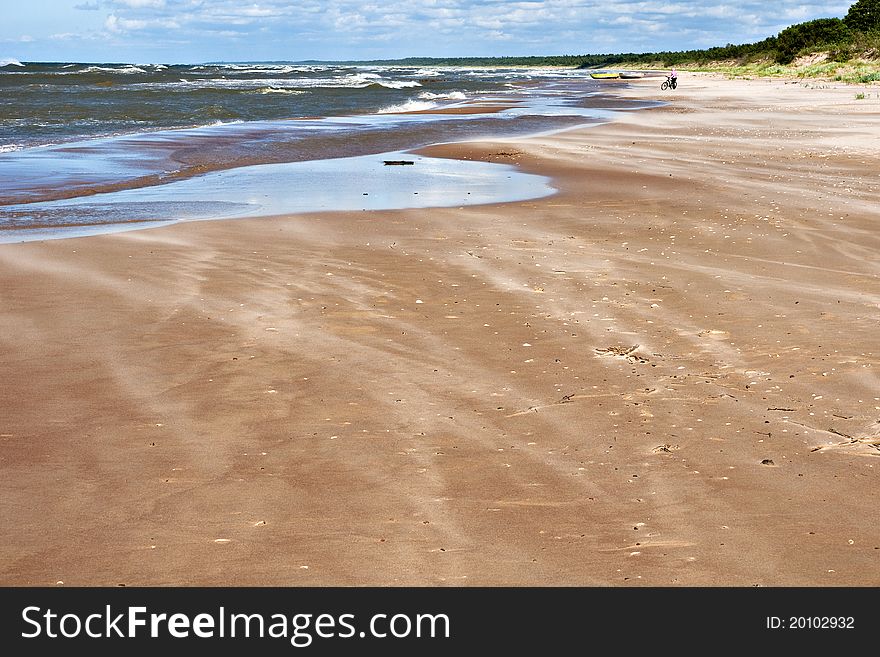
x,y
671,82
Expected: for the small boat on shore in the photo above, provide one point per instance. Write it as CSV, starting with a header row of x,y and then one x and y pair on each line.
x,y
631,75
605,75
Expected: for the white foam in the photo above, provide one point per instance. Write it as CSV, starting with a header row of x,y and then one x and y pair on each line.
x,y
219,123
10,62
398,84
354,81
411,105
100,69
350,81
281,69
278,90
452,95
112,69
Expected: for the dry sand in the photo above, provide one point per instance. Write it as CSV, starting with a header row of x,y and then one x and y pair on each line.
x,y
667,374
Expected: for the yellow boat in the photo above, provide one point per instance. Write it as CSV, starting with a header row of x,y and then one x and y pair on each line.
x,y
605,75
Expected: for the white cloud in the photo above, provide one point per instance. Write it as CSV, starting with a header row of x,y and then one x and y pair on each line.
x,y
21,38
117,25
261,12
75,36
280,29
136,4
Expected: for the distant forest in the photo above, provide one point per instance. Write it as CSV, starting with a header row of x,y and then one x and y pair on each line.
x,y
858,33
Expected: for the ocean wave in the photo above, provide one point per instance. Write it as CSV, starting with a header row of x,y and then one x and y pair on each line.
x,y
357,81
279,90
133,128
127,69
452,95
239,68
351,81
411,105
281,69
113,69
10,62
397,84
216,124
252,84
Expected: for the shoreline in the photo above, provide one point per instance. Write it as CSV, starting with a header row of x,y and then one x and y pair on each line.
x,y
337,112
101,199
663,375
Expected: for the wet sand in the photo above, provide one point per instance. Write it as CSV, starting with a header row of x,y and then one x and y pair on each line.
x,y
667,374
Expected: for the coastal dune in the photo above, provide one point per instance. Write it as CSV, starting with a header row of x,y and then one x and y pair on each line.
x,y
665,374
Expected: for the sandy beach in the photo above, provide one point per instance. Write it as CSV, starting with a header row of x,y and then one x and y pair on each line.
x,y
666,374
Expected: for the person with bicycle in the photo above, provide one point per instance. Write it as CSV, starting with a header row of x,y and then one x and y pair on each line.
x,y
671,80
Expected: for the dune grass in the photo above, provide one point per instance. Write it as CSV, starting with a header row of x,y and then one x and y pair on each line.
x,y
817,66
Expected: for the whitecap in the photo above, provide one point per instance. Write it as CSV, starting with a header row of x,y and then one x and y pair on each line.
x,y
397,84
452,95
347,82
281,69
218,123
409,106
279,90
112,69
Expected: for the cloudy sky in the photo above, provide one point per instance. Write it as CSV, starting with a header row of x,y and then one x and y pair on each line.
x,y
186,31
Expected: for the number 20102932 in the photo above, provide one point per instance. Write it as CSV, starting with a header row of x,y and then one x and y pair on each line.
x,y
811,623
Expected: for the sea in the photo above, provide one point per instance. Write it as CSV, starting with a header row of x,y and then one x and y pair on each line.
x,y
93,148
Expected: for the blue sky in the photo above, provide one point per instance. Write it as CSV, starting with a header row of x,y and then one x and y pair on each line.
x,y
186,31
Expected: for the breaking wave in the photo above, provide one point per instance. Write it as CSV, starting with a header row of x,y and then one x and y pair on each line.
x,y
452,95
409,106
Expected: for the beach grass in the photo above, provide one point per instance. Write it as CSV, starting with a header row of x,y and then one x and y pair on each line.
x,y
819,66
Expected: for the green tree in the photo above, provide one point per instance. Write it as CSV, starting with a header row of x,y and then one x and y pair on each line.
x,y
864,15
820,32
